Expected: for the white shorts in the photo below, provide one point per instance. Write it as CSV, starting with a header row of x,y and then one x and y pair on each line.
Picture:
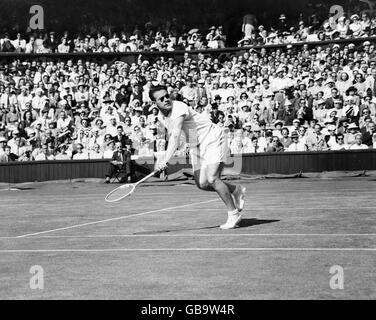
x,y
212,150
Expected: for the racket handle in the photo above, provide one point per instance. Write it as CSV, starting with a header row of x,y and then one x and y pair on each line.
x,y
147,177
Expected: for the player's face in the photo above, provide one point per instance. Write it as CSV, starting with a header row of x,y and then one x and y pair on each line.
x,y
162,100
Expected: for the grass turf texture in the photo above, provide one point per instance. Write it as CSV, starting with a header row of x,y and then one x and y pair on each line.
x,y
163,242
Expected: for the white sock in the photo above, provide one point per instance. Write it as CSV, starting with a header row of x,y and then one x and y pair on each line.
x,y
233,212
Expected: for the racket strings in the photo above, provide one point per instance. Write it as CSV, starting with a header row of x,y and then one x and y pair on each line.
x,y
120,193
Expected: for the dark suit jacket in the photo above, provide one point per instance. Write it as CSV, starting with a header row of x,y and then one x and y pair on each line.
x,y
367,138
124,140
12,157
330,102
126,156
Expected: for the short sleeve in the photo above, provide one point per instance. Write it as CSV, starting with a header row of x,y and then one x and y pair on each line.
x,y
179,109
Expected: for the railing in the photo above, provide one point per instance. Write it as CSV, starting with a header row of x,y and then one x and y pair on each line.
x,y
131,57
261,163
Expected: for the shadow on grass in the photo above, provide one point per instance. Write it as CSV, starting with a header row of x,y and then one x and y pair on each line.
x,y
254,222
243,224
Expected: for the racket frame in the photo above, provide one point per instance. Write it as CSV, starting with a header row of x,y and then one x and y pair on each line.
x,y
132,185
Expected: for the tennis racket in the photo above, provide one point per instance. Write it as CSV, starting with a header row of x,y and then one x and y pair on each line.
x,y
126,190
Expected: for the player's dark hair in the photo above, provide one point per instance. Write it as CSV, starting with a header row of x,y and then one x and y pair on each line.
x,y
154,89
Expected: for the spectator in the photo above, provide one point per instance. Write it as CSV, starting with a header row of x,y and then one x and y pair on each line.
x,y
296,145
316,141
121,160
8,156
358,145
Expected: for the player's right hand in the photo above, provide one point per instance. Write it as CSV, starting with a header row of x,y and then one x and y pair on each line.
x,y
161,166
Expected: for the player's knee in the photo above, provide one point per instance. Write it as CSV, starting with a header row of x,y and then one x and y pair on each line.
x,y
212,180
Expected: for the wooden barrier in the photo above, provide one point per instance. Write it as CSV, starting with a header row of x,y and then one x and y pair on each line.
x,y
261,163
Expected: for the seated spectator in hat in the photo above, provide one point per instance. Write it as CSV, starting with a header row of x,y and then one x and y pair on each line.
x,y
111,126
287,114
137,113
316,141
236,144
62,153
244,113
367,135
8,156
95,138
320,113
340,143
109,148
355,26
109,115
295,125
18,145
295,144
121,160
353,129
81,153
261,141
153,116
331,138
95,152
358,145
82,94
278,124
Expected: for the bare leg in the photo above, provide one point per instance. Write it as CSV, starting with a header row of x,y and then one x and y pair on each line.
x,y
208,178
202,182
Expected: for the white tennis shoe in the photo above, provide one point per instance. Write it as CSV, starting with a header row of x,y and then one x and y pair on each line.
x,y
232,221
238,196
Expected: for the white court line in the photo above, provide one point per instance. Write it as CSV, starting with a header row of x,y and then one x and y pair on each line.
x,y
181,249
276,207
113,219
204,235
255,193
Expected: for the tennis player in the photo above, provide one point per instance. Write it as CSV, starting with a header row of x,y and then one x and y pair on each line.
x,y
207,148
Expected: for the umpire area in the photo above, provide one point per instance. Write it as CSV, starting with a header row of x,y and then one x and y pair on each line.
x,y
297,237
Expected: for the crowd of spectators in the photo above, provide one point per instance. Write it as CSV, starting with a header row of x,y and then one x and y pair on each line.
x,y
267,100
171,36
285,32
150,38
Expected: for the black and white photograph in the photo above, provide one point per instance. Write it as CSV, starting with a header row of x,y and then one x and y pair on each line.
x,y
187,150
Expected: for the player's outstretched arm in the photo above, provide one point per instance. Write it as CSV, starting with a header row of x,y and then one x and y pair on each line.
x,y
173,142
